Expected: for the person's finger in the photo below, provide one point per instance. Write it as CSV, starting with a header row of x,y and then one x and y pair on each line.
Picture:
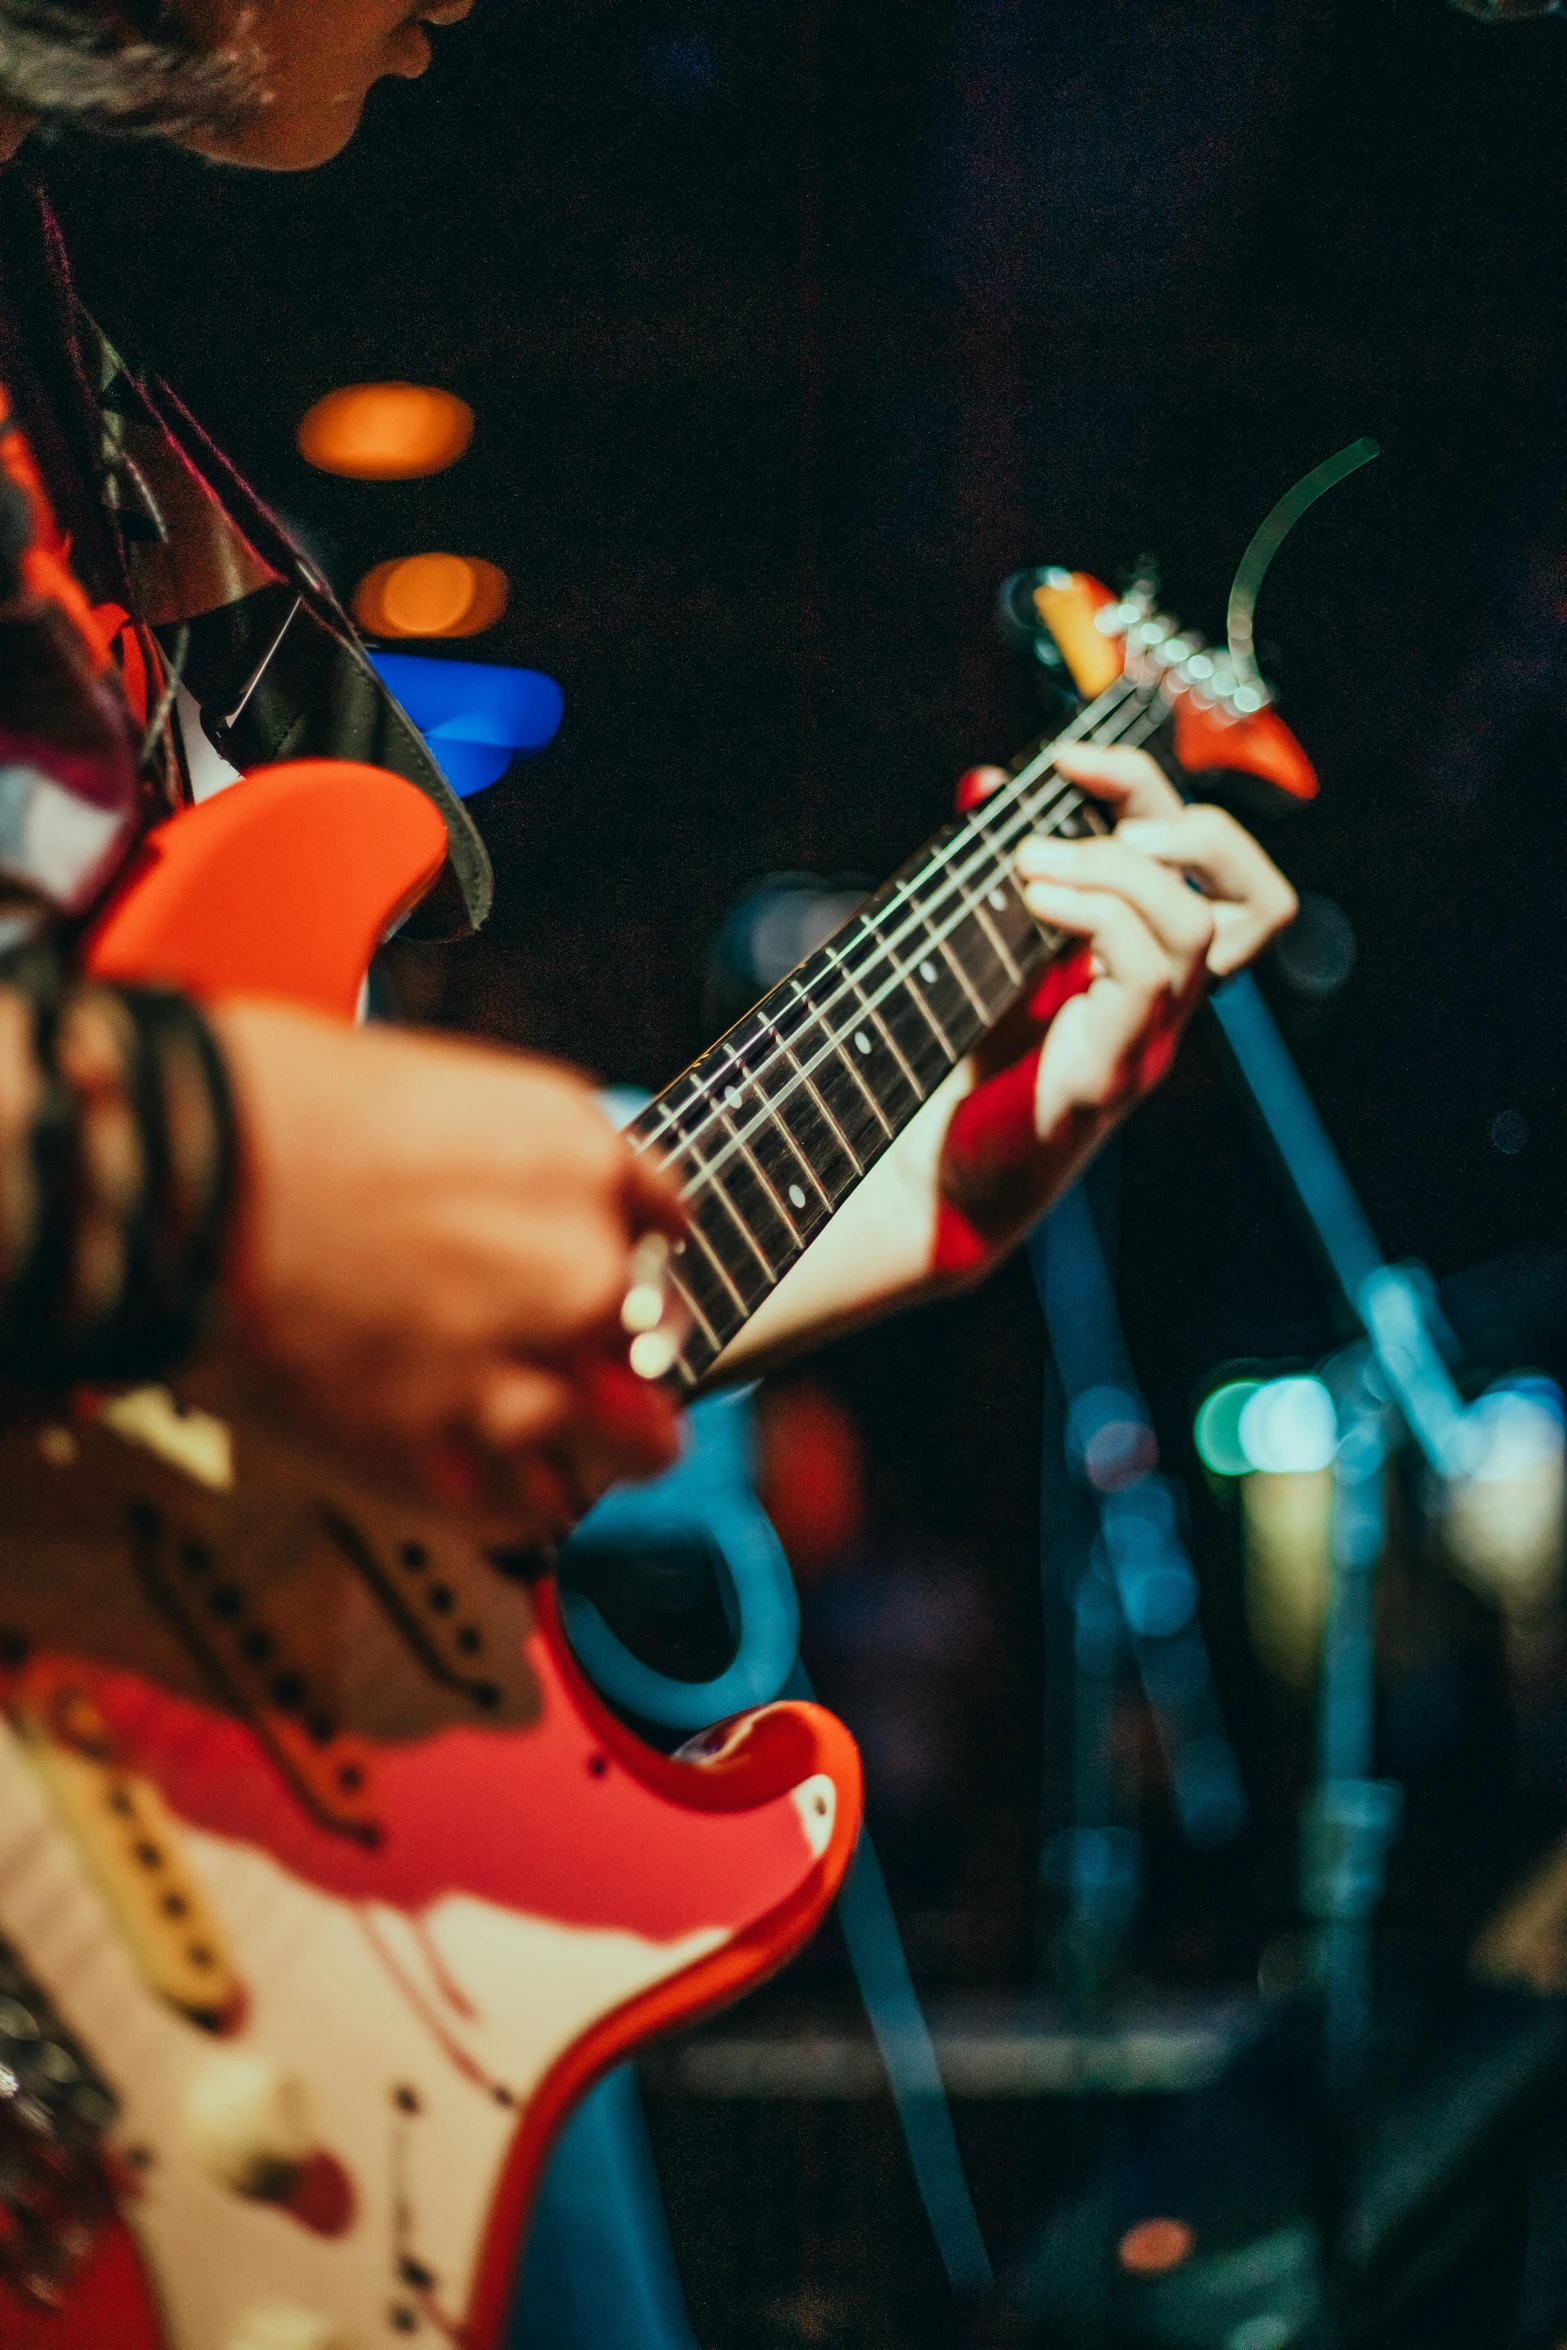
x,y
1125,950
977,785
1178,917
1130,782
1115,1040
651,1192
1252,900
516,1497
520,1404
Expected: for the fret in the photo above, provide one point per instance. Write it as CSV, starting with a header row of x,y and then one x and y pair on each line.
x,y
718,1178
748,1171
898,1007
960,970
761,1175
951,994
694,1277
878,1063
874,964
766,1106
997,897
858,1119
968,941
894,928
821,1074
829,1171
717,1308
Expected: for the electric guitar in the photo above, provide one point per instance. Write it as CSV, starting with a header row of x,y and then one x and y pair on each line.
x,y
326,1882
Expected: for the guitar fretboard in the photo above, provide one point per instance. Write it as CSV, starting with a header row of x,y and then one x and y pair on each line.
x,y
775,1125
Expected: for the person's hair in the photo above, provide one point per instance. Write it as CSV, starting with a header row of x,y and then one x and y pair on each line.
x,y
122,65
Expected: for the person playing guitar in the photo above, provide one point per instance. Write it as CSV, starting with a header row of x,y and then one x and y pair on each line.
x,y
410,1252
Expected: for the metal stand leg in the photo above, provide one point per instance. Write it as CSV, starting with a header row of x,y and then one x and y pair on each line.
x,y
598,2273
1351,1818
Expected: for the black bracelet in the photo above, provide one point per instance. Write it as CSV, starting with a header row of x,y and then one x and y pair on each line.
x,y
45,1249
172,1230
176,1242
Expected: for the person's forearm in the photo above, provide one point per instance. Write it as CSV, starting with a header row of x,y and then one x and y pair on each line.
x,y
950,1199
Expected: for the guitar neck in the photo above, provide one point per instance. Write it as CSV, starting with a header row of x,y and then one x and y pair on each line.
x,y
771,1129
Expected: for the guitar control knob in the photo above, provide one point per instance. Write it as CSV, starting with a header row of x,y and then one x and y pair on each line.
x,y
250,2127
816,1801
277,2327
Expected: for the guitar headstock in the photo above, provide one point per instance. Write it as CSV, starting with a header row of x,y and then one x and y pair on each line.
x,y
1221,722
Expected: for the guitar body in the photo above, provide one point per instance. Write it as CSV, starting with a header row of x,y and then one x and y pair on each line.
x,y
110,2303
310,1830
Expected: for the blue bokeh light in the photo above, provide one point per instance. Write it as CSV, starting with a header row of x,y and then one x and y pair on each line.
x,y
476,716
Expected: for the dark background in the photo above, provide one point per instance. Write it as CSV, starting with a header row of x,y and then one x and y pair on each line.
x,y
790,329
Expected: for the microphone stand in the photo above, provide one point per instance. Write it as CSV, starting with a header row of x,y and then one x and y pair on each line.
x,y
1399,1374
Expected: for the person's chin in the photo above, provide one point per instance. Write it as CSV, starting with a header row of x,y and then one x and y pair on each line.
x,y
278,139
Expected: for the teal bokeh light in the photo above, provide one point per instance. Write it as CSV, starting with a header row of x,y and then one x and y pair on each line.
x,y
1217,1431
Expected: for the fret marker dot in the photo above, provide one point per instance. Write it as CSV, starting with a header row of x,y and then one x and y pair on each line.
x,y
732,1096
928,973
862,1040
998,900
797,1195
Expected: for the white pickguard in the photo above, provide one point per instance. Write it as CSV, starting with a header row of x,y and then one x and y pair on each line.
x,y
359,2005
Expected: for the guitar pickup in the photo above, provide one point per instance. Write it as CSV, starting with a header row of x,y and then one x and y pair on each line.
x,y
130,1841
425,1596
329,1768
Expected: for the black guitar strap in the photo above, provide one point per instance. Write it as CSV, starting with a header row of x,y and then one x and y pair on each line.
x,y
241,615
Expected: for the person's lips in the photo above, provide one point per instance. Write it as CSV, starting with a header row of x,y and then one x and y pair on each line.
x,y
410,44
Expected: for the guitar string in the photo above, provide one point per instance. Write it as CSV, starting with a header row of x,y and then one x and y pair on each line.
x,y
702,1177
976,836
740,1136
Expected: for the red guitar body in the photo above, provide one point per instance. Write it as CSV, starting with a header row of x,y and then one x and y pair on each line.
x,y
310,1829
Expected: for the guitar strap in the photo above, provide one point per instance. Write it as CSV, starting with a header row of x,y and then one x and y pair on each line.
x,y
190,577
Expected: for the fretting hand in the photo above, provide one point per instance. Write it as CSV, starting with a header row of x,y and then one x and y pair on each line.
x,y
1012,1127
1101,1031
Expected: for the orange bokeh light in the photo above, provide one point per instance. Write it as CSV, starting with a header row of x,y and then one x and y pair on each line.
x,y
1154,2246
385,432
431,595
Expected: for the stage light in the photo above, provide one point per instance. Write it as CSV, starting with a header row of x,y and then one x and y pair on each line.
x,y
1504,1520
1156,2246
811,1476
431,596
1216,1431
1288,1426
385,432
1278,1437
1316,954
1109,1439
476,716
1155,1584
